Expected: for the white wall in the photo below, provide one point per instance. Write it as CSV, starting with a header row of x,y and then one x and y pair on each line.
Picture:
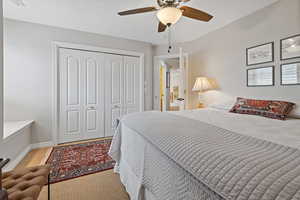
x,y
1,81
28,68
222,54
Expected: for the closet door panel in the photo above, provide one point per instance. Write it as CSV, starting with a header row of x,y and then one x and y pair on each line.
x,y
81,95
132,84
73,80
91,81
116,82
92,121
73,121
94,95
114,91
70,124
91,95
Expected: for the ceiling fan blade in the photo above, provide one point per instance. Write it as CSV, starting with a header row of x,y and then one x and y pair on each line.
x,y
161,27
195,14
137,11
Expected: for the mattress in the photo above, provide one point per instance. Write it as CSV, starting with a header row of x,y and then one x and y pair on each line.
x,y
170,179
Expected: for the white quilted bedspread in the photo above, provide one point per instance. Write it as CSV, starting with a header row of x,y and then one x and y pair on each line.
x,y
186,159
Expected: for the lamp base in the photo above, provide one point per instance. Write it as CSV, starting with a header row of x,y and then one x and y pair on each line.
x,y
200,100
200,105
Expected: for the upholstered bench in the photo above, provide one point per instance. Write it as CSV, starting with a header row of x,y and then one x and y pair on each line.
x,y
27,183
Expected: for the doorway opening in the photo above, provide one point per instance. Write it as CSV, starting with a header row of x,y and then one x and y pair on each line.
x,y
170,83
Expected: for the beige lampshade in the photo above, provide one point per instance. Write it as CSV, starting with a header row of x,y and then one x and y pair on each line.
x,y
202,84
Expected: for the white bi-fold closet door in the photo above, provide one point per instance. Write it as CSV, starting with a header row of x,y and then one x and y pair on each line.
x,y
95,90
122,89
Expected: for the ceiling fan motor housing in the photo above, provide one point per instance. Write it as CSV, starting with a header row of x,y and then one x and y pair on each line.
x,y
168,3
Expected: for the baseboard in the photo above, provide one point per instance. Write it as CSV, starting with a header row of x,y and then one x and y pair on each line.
x,y
41,145
13,163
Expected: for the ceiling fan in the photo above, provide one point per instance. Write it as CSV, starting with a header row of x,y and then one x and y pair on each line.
x,y
170,11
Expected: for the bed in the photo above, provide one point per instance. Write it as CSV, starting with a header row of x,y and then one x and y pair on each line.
x,y
207,154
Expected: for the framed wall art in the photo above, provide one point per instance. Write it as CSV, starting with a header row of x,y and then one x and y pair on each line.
x,y
290,73
261,76
290,47
260,54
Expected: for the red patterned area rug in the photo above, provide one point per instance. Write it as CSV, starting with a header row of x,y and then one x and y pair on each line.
x,y
77,160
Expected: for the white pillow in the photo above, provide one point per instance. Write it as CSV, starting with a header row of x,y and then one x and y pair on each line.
x,y
295,112
227,105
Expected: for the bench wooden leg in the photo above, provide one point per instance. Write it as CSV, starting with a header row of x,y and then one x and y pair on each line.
x,y
49,187
3,195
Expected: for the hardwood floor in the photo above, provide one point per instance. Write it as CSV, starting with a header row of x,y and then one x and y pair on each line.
x,y
100,186
35,157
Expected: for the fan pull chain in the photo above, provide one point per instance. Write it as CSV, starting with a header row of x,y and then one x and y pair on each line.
x,y
169,39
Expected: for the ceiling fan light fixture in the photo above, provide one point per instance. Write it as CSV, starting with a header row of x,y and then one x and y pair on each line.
x,y
169,15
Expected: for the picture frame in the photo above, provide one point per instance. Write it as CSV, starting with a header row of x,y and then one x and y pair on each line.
x,y
261,76
260,54
290,74
290,47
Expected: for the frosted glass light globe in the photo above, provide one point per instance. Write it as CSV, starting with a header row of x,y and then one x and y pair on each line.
x,y
169,15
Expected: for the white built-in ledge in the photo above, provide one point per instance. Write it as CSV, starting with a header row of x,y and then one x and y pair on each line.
x,y
12,127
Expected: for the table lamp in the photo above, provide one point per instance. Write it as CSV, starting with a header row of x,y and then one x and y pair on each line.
x,y
202,84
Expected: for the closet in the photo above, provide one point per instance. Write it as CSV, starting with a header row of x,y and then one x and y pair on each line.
x,y
95,89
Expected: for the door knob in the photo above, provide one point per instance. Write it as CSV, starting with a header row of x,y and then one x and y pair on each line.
x,y
116,106
91,108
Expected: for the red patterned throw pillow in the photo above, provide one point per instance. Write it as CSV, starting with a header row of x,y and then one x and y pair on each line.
x,y
271,109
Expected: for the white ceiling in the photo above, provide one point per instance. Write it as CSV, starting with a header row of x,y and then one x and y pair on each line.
x,y
100,16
